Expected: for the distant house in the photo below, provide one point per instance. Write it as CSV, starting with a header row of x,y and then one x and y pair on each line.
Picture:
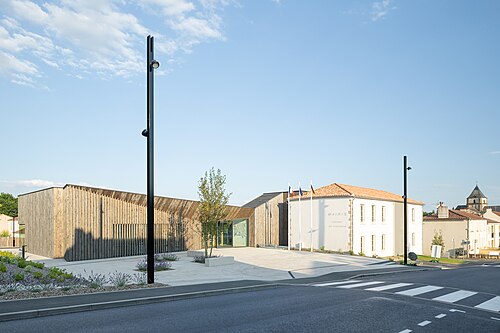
x,y
462,231
351,218
9,226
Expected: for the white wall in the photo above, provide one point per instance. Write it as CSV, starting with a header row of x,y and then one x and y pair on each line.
x,y
329,224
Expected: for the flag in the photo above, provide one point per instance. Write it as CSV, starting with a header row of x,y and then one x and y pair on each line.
x,y
300,191
312,189
290,191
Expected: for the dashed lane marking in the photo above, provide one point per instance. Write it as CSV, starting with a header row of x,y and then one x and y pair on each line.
x,y
456,310
424,323
455,296
439,316
406,331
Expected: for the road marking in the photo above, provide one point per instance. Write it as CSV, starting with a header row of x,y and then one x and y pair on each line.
x,y
406,331
389,286
439,316
454,296
456,310
418,291
334,283
361,284
424,323
492,304
495,318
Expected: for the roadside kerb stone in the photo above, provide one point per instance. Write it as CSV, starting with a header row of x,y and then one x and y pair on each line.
x,y
127,302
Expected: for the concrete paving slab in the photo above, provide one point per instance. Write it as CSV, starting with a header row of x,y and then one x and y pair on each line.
x,y
250,263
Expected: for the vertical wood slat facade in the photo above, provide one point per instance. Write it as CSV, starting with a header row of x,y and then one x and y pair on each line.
x,y
81,223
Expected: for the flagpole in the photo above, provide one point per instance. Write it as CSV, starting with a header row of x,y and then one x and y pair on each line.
x,y
311,225
289,226
300,219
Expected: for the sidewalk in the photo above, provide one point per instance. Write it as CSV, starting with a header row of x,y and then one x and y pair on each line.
x,y
253,269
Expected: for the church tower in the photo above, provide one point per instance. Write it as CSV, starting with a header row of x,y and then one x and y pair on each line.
x,y
477,200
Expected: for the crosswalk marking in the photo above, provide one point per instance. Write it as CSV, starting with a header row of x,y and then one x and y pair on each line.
x,y
334,283
389,286
492,304
418,291
455,296
361,284
424,323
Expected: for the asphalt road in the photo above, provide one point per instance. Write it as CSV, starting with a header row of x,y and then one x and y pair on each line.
x,y
315,307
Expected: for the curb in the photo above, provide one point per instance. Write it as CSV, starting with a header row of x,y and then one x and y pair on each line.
x,y
127,302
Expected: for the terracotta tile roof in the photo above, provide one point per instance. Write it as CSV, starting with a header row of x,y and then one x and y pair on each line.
x,y
342,190
455,215
497,213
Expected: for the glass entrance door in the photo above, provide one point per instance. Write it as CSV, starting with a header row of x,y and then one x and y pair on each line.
x,y
225,234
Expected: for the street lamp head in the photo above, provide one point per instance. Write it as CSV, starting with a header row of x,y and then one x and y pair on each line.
x,y
408,168
155,64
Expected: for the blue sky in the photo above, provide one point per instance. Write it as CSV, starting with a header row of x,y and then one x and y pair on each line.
x,y
270,92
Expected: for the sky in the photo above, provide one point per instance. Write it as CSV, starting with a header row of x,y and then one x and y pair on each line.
x,y
270,92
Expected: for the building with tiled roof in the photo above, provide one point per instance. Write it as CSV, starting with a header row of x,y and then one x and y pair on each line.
x,y
342,217
463,232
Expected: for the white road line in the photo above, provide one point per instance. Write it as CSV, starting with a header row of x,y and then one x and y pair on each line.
x,y
439,316
418,291
424,323
361,284
334,283
456,310
492,304
495,318
389,286
454,296
406,331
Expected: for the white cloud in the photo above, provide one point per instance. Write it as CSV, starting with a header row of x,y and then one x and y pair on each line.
x,y
497,152
84,35
380,9
32,183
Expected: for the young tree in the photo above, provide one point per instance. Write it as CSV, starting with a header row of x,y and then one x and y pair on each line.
x,y
8,204
212,209
438,240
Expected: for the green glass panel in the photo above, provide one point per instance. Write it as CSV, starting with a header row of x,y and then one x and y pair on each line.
x,y
240,233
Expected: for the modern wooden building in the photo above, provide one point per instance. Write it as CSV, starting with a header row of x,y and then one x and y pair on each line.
x,y
79,223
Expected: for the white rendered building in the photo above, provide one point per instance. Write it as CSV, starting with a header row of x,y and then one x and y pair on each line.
x,y
350,218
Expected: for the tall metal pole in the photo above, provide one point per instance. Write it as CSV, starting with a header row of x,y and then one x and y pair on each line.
x,y
151,65
405,172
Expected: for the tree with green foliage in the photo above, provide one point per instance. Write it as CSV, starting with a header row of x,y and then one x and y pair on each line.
x,y
212,208
438,240
8,204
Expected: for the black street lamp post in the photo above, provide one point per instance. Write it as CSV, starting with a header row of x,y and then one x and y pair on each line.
x,y
405,198
152,64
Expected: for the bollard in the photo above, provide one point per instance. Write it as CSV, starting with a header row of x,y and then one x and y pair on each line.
x,y
23,251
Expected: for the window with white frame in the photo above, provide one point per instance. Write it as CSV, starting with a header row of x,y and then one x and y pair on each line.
x,y
383,214
362,244
383,242
412,239
374,246
374,213
413,214
362,214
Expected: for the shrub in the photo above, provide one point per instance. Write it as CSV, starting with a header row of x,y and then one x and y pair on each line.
x,y
3,268
7,254
322,248
158,265
21,263
139,278
5,233
166,256
95,280
351,252
38,275
361,254
28,268
19,277
119,279
39,265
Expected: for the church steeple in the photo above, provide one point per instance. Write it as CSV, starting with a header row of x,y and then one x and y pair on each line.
x,y
477,200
